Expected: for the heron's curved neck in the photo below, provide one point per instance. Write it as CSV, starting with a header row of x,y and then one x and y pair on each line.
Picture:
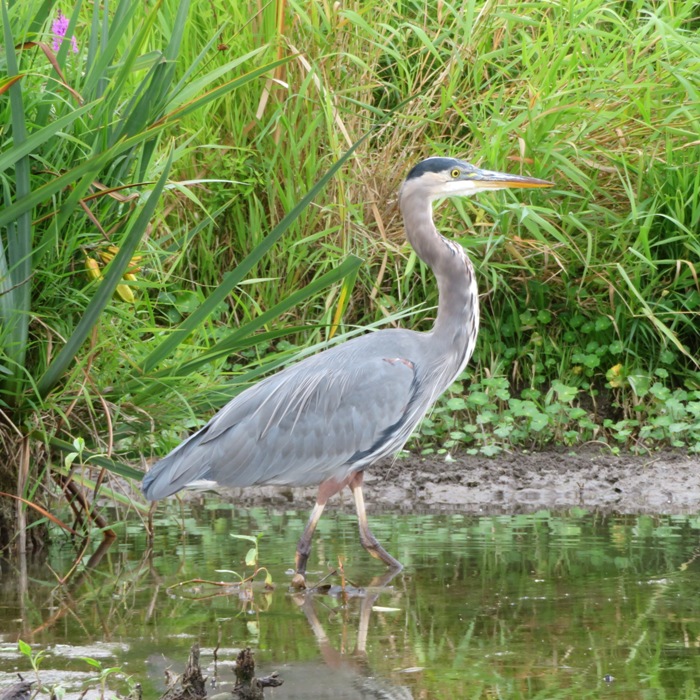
x,y
457,319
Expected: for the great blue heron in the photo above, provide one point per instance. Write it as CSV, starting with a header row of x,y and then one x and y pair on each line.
x,y
329,417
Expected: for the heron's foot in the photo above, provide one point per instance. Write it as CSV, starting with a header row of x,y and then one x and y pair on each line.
x,y
299,581
302,556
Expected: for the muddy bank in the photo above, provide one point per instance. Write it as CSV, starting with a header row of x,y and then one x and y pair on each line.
x,y
664,482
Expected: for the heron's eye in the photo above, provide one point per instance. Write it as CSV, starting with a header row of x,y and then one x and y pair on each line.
x,y
456,172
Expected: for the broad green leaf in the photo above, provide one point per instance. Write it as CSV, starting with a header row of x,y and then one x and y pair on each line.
x,y
249,538
39,137
14,309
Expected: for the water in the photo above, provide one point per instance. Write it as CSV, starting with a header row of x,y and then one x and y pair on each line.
x,y
573,605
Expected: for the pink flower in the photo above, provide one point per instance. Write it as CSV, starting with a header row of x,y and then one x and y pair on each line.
x,y
59,27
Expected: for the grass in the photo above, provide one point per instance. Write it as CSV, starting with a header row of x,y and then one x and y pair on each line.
x,y
85,198
593,286
597,280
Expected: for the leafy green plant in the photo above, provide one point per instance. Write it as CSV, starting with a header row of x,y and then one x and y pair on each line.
x,y
104,675
243,586
484,417
35,659
252,559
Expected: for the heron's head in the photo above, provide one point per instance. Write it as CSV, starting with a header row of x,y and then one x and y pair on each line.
x,y
449,177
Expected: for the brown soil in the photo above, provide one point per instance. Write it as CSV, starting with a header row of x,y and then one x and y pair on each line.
x,y
664,482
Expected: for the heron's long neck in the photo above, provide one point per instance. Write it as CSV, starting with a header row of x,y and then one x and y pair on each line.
x,y
457,321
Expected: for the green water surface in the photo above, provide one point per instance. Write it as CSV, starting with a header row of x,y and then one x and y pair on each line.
x,y
543,605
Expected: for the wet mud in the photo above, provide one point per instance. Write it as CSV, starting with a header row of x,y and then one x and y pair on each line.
x,y
664,482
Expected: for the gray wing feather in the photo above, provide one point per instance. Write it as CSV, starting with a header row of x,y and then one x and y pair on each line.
x,y
301,426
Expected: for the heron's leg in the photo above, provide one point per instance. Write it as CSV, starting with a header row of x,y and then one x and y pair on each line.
x,y
304,546
368,540
325,491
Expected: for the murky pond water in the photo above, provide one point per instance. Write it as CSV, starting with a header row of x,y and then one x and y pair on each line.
x,y
572,605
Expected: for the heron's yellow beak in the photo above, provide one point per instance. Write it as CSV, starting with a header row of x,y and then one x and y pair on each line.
x,y
492,180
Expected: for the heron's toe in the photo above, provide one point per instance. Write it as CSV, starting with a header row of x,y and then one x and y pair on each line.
x,y
298,581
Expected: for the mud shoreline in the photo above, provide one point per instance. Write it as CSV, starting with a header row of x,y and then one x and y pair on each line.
x,y
592,478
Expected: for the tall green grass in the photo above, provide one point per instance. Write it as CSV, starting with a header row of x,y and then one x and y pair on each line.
x,y
93,324
184,137
597,279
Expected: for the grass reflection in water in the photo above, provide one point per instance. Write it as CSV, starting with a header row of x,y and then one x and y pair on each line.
x,y
526,606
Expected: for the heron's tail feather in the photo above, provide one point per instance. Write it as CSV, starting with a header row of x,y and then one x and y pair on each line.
x,y
176,470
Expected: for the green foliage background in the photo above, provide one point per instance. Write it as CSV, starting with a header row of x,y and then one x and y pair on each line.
x,y
184,135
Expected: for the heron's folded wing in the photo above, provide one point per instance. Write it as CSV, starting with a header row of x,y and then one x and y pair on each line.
x,y
304,427
301,426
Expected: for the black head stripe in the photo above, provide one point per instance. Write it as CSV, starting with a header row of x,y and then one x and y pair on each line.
x,y
434,165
